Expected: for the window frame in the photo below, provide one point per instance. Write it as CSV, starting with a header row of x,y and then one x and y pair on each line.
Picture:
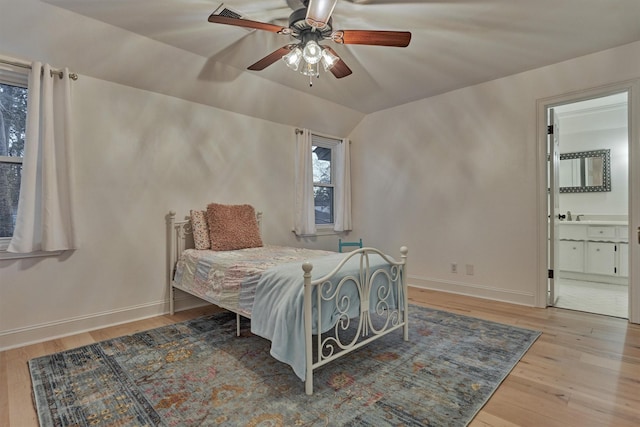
x,y
18,77
330,143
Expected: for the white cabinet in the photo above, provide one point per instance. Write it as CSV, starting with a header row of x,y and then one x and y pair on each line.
x,y
594,249
571,255
601,258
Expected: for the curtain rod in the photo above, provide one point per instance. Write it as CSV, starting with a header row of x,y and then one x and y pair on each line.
x,y
299,131
59,73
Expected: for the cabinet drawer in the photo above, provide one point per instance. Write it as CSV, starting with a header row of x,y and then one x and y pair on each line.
x,y
572,232
601,232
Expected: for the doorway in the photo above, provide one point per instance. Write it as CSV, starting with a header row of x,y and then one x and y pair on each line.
x,y
548,179
588,183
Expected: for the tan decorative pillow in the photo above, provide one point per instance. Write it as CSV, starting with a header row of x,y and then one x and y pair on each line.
x,y
232,227
200,229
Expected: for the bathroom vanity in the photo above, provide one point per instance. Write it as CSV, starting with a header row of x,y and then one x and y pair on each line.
x,y
594,250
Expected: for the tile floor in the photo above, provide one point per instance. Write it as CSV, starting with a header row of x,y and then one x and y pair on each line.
x,y
593,297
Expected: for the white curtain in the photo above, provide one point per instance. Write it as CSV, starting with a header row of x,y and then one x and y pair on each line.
x,y
45,208
342,221
305,220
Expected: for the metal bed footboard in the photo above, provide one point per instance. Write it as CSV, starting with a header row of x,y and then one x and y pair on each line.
x,y
390,307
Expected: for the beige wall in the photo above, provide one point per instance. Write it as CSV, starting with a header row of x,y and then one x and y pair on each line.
x,y
454,177
139,155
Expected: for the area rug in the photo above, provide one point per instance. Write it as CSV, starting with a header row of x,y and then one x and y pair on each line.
x,y
198,373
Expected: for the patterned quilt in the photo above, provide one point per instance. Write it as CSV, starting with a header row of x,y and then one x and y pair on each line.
x,y
229,278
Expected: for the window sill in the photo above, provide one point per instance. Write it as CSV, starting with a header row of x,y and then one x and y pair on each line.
x,y
326,231
321,231
4,255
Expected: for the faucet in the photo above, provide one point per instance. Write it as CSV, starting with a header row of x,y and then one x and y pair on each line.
x,y
568,215
578,217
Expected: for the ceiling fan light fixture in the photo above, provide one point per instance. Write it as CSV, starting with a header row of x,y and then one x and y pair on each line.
x,y
328,59
312,52
310,70
293,58
319,12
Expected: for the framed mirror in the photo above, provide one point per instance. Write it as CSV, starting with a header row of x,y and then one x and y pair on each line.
x,y
585,171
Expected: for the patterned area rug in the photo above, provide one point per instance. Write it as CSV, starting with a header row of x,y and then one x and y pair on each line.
x,y
198,373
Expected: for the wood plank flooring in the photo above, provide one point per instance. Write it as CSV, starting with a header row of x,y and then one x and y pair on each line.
x,y
583,371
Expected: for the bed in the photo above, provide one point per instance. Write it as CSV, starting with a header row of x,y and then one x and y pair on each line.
x,y
324,302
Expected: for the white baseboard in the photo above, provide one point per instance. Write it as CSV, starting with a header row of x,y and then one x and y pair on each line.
x,y
33,334
473,290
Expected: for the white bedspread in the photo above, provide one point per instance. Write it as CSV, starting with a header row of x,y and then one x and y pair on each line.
x,y
278,311
229,278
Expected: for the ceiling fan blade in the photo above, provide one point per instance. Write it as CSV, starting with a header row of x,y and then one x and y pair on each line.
x,y
270,59
374,38
340,69
246,23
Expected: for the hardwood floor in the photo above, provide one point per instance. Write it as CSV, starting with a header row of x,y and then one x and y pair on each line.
x,y
583,371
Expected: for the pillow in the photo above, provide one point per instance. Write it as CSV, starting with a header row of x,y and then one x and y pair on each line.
x,y
232,227
200,230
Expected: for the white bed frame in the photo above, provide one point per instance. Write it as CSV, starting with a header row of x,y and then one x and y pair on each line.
x,y
329,347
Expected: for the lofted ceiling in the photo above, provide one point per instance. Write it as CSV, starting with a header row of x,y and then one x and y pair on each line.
x,y
455,43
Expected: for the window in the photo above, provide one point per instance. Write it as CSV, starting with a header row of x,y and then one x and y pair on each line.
x,y
13,115
324,178
322,184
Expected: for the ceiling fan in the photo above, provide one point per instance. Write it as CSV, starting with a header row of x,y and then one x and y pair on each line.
x,y
311,24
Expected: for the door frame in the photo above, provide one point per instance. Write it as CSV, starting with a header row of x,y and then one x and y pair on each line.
x,y
553,200
632,87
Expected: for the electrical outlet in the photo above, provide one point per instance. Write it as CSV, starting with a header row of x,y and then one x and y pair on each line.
x,y
469,268
454,267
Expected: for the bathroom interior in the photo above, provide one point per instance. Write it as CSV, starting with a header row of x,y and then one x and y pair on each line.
x,y
593,265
